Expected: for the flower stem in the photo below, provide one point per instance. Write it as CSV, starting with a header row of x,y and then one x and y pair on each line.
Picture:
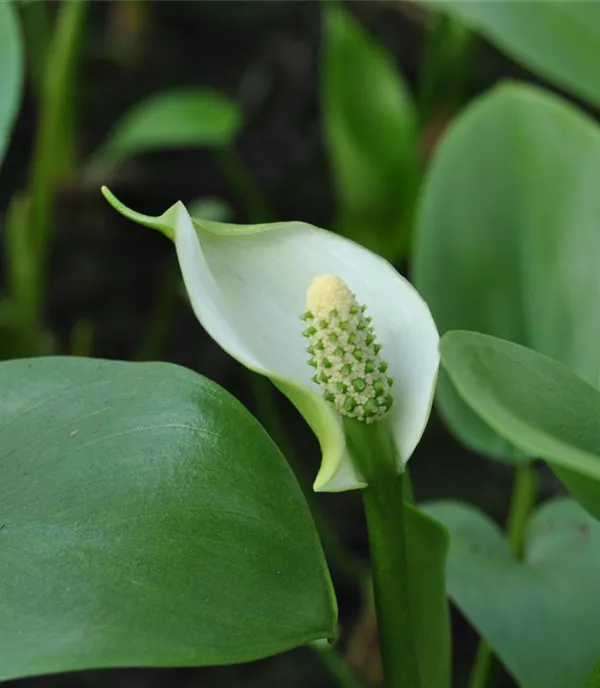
x,y
21,271
374,453
482,667
157,331
384,510
337,667
82,339
522,501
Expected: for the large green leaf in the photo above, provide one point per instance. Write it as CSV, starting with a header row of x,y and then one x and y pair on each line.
x,y
541,615
146,519
174,119
427,547
535,402
508,240
11,71
559,40
371,134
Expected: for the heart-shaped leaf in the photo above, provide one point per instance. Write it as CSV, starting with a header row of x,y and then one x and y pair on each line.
x,y
533,401
146,519
175,119
541,616
559,40
508,240
371,133
11,71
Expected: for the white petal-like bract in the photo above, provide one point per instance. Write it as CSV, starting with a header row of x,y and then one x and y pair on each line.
x,y
247,287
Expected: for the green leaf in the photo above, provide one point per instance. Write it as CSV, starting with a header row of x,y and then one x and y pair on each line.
x,y
11,71
371,135
174,119
146,519
558,40
507,240
541,616
427,547
535,402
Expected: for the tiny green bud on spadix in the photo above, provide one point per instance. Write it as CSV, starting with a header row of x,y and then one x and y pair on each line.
x,y
344,351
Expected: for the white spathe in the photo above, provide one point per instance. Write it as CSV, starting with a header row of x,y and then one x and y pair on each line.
x,y
248,289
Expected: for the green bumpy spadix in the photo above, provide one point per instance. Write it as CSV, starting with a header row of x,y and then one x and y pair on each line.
x,y
344,352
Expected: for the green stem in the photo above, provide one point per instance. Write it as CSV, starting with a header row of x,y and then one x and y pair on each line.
x,y
374,452
522,501
407,488
338,668
54,144
482,667
241,181
384,509
521,504
82,339
153,344
20,265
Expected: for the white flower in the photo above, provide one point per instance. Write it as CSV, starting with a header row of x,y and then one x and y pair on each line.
x,y
248,286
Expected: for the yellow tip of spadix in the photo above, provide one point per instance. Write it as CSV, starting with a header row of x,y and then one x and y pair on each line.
x,y
328,292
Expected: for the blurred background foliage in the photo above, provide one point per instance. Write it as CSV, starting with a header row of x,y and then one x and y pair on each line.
x,y
252,111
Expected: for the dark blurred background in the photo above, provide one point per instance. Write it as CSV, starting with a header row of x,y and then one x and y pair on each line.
x,y
265,56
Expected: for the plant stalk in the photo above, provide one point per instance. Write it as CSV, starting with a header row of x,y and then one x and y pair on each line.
x,y
374,453
481,673
55,141
82,339
157,331
384,510
522,501
21,276
339,669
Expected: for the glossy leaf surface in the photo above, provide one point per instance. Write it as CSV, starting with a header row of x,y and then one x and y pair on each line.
x,y
146,519
508,241
533,401
558,40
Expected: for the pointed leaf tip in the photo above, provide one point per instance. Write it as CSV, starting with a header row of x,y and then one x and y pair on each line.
x,y
160,222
